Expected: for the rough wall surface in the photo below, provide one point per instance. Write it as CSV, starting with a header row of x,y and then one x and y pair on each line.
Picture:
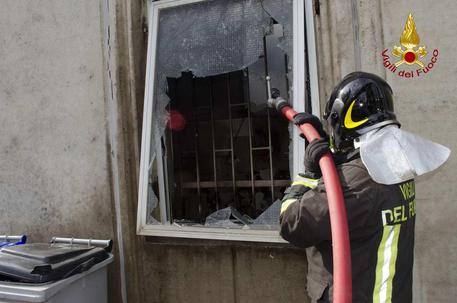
x,y
55,177
425,105
223,273
53,144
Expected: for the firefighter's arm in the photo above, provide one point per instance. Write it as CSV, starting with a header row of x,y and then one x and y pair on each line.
x,y
302,183
304,221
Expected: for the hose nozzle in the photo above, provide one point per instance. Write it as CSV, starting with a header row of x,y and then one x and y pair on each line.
x,y
274,97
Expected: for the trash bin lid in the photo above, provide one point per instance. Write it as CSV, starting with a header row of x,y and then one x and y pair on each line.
x,y
47,253
42,262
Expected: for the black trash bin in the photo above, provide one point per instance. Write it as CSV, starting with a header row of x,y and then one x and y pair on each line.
x,y
64,272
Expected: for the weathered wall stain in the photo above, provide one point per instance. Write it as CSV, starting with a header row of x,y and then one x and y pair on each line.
x,y
53,182
221,272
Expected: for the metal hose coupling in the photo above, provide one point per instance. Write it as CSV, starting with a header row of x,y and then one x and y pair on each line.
x,y
274,97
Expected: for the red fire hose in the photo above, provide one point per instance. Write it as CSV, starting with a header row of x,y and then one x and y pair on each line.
x,y
342,277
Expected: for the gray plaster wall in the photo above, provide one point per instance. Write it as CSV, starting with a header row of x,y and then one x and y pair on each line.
x,y
226,273
55,173
53,140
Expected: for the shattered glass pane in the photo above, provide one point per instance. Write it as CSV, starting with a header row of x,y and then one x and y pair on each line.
x,y
269,219
152,209
211,39
227,218
230,218
282,12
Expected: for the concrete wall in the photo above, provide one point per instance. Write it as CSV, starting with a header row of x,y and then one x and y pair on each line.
x,y
53,145
55,173
190,271
71,90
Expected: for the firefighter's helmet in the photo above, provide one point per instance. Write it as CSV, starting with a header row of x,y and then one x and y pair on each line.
x,y
359,103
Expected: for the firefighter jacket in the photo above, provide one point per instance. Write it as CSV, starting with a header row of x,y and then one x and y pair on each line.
x,y
381,222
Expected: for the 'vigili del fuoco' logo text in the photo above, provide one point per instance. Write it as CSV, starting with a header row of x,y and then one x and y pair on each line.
x,y
409,54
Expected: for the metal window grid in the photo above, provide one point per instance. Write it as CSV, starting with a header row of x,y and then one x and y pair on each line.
x,y
236,182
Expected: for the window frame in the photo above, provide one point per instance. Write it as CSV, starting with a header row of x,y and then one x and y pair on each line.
x,y
302,10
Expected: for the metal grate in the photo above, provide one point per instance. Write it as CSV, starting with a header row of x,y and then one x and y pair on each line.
x,y
229,153
232,150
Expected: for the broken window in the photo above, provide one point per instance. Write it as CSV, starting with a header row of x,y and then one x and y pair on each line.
x,y
214,156
225,147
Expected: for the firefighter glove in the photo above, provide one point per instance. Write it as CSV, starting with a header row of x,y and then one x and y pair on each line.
x,y
313,153
302,118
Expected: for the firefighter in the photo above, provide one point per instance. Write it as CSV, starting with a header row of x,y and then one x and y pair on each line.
x,y
377,178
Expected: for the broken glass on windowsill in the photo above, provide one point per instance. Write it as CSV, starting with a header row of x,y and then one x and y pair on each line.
x,y
229,217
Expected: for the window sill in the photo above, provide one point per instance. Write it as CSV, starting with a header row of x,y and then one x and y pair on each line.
x,y
242,235
186,242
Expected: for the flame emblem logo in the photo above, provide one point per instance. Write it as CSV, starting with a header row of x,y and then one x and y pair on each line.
x,y
410,40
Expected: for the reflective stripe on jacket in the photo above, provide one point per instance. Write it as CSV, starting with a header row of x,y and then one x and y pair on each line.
x,y
381,224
